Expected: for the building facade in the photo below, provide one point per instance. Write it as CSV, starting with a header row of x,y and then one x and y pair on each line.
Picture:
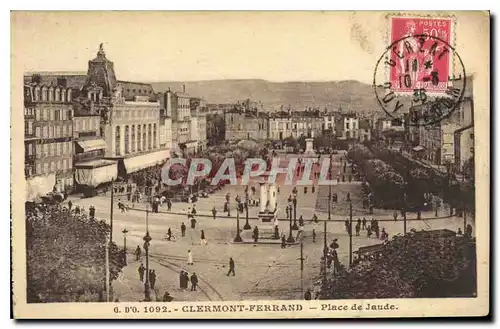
x,y
48,137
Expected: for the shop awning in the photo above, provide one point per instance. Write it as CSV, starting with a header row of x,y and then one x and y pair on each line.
x,y
144,161
418,148
92,144
96,172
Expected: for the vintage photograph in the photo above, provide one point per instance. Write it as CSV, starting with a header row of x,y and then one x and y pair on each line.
x,y
272,163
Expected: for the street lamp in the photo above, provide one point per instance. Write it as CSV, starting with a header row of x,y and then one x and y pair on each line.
x,y
294,201
238,238
350,232
290,236
147,239
247,224
125,245
330,190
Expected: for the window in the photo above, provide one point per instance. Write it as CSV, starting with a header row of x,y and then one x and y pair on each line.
x,y
126,139
84,124
46,168
58,95
59,165
139,144
38,168
64,167
154,136
117,140
132,148
149,136
347,125
144,138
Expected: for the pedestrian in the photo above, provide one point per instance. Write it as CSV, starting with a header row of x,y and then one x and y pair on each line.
x,y
308,294
468,231
255,234
301,220
70,204
364,223
346,224
358,228
315,218
300,233
193,223
141,272
194,210
395,215
214,212
185,280
276,232
169,234
138,253
334,245
377,232
203,239
183,229
283,242
152,278
231,267
314,235
190,257
181,279
369,231
194,281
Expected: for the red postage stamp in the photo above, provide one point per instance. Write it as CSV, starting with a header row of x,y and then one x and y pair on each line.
x,y
418,67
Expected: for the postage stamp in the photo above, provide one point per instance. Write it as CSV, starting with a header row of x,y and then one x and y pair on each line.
x,y
417,66
420,67
244,171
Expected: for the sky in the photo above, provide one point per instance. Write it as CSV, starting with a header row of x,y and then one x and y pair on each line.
x,y
187,46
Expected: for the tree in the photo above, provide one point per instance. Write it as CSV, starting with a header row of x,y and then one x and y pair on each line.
x,y
66,256
416,265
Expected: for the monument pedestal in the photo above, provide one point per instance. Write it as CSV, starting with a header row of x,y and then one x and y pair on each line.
x,y
309,147
266,216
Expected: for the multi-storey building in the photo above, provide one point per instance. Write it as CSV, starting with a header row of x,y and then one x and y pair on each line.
x,y
347,126
243,124
464,136
329,123
280,125
48,137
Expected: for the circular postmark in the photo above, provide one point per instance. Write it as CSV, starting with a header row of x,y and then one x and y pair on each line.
x,y
413,80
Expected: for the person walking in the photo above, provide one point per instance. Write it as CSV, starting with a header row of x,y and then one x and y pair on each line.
x,y
169,234
314,235
193,223
255,234
364,223
203,239
231,267
152,278
190,258
183,229
395,215
185,280
283,242
358,228
181,279
141,271
138,253
308,294
301,220
169,205
70,204
194,281
214,212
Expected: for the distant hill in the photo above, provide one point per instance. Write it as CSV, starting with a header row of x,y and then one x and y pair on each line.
x,y
348,94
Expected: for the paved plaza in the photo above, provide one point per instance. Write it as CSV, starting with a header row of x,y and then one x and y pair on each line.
x,y
263,271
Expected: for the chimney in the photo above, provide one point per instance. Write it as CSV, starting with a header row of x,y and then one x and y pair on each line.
x,y
183,89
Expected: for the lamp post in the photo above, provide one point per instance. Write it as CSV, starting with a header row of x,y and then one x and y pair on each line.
x,y
330,190
147,239
290,236
125,231
238,238
294,202
350,232
247,224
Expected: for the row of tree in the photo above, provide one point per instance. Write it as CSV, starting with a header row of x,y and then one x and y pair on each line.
x,y
386,184
66,255
416,265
